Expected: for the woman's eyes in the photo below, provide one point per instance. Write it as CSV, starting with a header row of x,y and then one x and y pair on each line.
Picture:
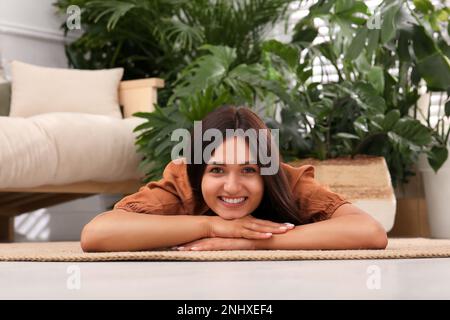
x,y
215,170
220,170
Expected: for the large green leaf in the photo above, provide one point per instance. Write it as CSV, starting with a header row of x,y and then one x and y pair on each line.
x,y
390,120
304,33
437,156
435,70
205,71
114,9
424,6
288,53
367,97
361,127
321,7
373,36
343,5
352,11
388,26
412,131
357,45
432,64
376,78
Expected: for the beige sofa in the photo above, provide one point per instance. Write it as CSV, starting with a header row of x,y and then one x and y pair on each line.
x,y
134,96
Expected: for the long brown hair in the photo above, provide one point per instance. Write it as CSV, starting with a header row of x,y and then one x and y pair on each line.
x,y
278,203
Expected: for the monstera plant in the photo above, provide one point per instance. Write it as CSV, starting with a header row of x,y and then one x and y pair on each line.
x,y
211,80
158,38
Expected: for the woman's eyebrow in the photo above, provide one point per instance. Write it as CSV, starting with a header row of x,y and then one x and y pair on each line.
x,y
222,164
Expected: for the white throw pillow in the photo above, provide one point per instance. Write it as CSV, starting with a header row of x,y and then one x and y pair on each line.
x,y
37,90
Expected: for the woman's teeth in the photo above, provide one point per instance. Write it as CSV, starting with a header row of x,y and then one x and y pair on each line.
x,y
232,200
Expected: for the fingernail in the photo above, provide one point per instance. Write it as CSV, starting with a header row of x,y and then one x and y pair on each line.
x,y
195,248
174,248
283,228
268,234
290,225
180,248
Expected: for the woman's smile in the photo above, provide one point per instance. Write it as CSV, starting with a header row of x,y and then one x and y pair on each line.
x,y
232,202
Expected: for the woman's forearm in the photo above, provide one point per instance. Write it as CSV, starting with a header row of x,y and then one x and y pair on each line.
x,y
347,232
120,230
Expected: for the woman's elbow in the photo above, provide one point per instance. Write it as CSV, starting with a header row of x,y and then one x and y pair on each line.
x,y
94,234
378,237
89,239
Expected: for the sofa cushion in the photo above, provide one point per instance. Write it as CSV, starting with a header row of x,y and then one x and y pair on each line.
x,y
5,98
62,147
37,90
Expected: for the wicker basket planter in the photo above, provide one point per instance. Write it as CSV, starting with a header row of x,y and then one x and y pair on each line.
x,y
364,180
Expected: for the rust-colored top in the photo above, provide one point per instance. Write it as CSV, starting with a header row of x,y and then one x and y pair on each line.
x,y
173,194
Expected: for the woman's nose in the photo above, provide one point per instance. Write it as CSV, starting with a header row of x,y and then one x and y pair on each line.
x,y
232,184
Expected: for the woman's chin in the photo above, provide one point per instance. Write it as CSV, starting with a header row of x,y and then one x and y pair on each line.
x,y
230,215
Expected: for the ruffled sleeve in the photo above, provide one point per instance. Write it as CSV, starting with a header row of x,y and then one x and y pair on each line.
x,y
317,202
170,195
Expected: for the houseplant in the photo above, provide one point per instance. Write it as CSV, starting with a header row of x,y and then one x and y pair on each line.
x,y
370,108
361,52
367,110
158,38
437,182
383,66
414,39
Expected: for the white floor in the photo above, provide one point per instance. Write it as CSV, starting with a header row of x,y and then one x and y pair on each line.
x,y
343,279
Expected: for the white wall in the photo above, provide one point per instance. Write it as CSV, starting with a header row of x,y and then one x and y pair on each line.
x,y
30,32
36,13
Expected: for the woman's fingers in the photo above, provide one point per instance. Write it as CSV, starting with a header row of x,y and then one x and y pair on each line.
x,y
272,224
279,228
249,234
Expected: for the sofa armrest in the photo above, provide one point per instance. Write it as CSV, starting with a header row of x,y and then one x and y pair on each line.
x,y
139,95
5,98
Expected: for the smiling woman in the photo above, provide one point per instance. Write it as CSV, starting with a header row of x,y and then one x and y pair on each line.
x,y
238,172
226,203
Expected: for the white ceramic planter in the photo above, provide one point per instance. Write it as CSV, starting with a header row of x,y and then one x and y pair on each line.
x,y
437,193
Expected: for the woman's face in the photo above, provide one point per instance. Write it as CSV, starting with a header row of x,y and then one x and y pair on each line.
x,y
231,188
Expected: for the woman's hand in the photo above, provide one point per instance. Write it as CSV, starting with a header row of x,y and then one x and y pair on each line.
x,y
214,244
247,227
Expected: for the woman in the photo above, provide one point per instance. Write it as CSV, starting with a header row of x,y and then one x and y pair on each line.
x,y
223,204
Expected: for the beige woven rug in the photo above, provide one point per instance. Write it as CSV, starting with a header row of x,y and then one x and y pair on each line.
x,y
71,251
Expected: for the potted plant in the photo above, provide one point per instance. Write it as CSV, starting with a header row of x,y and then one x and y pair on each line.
x,y
436,179
413,39
433,165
